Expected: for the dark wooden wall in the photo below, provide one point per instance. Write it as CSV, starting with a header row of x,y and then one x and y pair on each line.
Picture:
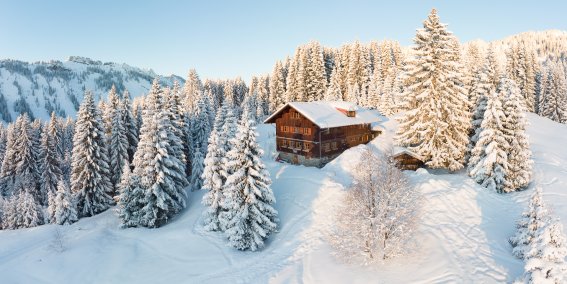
x,y
292,126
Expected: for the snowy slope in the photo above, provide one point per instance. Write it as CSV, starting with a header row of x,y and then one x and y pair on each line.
x,y
462,236
58,86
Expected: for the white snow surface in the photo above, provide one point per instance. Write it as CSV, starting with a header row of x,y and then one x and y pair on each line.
x,y
462,236
326,114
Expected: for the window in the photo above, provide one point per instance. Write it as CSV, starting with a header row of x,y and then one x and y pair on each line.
x,y
306,146
295,115
285,129
296,130
307,131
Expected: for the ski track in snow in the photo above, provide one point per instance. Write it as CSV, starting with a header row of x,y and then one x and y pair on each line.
x,y
462,237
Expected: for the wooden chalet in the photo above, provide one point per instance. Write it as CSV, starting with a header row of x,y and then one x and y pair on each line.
x,y
406,159
314,133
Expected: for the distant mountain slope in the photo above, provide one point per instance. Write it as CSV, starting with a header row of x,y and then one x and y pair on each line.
x,y
42,87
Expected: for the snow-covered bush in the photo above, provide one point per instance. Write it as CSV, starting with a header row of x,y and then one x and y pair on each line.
x,y
377,217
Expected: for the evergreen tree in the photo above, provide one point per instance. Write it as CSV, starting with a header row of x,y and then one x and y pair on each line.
x,y
545,261
277,88
480,90
316,79
65,210
192,91
489,161
213,179
51,171
131,199
553,103
90,175
3,140
22,211
531,221
334,90
118,145
201,130
437,125
25,148
249,217
177,118
160,173
130,124
519,153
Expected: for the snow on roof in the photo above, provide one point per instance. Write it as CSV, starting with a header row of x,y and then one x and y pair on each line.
x,y
326,114
398,150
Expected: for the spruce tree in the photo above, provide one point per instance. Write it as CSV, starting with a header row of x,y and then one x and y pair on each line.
x,y
160,173
130,124
519,153
3,141
480,90
489,160
437,124
527,226
213,179
131,199
249,217
51,171
545,261
90,174
200,135
334,90
118,145
25,147
65,212
277,88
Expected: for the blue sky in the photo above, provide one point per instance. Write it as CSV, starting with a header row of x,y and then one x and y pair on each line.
x,y
239,38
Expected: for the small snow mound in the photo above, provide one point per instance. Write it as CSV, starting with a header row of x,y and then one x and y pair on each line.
x,y
421,172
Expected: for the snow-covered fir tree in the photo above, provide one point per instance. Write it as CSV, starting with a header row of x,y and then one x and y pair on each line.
x,y
129,123
479,91
315,77
436,126
22,211
65,211
26,153
160,173
192,91
277,88
213,179
333,92
519,154
249,217
51,170
545,261
531,221
131,198
177,118
118,146
90,176
488,164
200,133
3,140
553,103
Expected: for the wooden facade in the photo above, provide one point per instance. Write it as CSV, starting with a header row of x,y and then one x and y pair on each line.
x,y
406,161
300,141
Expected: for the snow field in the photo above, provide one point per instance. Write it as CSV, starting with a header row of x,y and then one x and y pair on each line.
x,y
462,237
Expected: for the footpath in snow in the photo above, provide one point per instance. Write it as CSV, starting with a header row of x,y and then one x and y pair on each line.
x,y
462,235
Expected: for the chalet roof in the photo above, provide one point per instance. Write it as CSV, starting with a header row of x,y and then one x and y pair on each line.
x,y
327,114
398,150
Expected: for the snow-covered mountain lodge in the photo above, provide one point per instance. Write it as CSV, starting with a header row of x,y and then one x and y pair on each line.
x,y
314,133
